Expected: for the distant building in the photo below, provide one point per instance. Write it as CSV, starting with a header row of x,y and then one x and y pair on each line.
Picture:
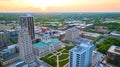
x,y
84,26
44,29
4,39
115,34
56,33
25,46
13,34
113,55
101,29
81,55
4,27
71,34
28,21
89,35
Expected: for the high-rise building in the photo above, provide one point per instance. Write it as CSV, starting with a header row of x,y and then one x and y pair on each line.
x,y
25,46
71,34
28,21
80,56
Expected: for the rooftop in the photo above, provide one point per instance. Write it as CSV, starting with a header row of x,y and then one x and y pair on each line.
x,y
1,32
115,33
11,57
27,15
90,34
21,63
41,44
114,49
82,47
72,30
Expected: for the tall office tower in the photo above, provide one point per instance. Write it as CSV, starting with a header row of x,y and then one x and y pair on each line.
x,y
80,56
25,46
28,21
71,34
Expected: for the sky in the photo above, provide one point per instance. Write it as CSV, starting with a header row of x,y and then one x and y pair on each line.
x,y
59,5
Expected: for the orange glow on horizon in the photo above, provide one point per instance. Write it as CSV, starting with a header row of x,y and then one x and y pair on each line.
x,y
59,5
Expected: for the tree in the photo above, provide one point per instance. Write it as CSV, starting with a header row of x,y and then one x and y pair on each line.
x,y
106,44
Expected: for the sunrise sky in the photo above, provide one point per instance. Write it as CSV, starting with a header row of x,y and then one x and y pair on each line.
x,y
59,5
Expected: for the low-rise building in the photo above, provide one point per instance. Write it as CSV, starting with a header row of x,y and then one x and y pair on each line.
x,y
89,35
84,26
101,29
113,55
115,34
13,34
9,55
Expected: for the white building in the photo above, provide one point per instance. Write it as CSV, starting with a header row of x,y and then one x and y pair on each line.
x,y
47,45
25,46
80,56
12,48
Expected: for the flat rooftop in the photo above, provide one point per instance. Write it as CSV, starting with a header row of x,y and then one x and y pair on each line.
x,y
11,56
41,44
72,30
82,47
112,50
90,34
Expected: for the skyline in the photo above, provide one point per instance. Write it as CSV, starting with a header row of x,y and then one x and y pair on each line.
x,y
59,6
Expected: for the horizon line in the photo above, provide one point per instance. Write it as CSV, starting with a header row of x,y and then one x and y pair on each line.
x,y
67,12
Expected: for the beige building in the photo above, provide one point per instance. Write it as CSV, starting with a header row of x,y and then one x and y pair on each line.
x,y
71,34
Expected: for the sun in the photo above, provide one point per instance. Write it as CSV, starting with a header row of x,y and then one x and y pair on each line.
x,y
44,8
44,4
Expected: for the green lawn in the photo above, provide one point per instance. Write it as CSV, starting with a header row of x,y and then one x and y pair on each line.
x,y
63,63
52,60
63,56
65,51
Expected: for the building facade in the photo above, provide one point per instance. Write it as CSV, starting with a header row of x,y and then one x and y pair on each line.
x,y
4,39
71,34
101,29
89,35
28,21
113,55
25,46
81,55
10,54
